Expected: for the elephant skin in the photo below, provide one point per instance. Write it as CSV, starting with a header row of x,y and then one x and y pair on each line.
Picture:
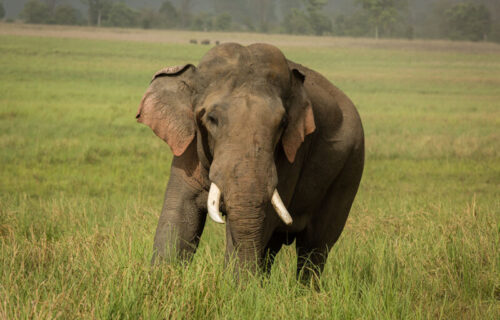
x,y
250,121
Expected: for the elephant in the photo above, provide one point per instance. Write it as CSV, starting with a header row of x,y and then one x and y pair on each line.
x,y
268,143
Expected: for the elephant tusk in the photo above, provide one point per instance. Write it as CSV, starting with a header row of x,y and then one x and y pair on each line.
x,y
213,203
280,208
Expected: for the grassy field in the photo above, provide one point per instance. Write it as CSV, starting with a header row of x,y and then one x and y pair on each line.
x,y
81,187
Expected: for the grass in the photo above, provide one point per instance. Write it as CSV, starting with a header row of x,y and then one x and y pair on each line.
x,y
81,187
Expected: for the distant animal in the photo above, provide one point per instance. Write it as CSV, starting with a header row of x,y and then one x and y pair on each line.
x,y
206,42
217,42
193,41
273,145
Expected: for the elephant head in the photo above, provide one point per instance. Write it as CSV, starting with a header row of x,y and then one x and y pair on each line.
x,y
241,107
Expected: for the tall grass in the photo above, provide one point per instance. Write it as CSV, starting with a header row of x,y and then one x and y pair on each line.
x,y
81,187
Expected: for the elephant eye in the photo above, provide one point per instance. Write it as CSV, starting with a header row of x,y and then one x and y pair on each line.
x,y
284,121
212,118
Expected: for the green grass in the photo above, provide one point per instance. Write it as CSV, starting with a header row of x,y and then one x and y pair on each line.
x,y
81,187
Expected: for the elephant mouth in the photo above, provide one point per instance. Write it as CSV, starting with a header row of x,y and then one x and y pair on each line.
x,y
213,205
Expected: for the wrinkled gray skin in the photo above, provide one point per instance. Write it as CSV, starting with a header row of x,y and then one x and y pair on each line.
x,y
238,120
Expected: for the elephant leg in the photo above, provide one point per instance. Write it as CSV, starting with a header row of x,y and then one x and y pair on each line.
x,y
310,262
273,247
324,229
181,222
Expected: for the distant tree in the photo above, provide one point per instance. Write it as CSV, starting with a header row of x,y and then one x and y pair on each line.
x,y
355,25
51,4
35,11
146,18
223,22
249,15
265,12
286,6
383,14
203,22
169,14
2,10
121,15
319,22
310,21
468,21
238,9
66,14
297,22
149,18
185,13
98,11
248,24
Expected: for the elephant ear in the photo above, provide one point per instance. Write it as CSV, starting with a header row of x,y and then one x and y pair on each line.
x,y
300,117
167,107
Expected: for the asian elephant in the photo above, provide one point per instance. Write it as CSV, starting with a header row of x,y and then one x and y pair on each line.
x,y
273,145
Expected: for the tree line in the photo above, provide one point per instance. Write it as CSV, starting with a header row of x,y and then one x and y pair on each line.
x,y
452,19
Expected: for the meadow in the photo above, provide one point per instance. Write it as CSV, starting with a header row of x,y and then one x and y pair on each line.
x,y
81,187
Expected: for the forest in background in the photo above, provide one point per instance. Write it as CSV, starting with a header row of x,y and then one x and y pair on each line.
x,y
474,20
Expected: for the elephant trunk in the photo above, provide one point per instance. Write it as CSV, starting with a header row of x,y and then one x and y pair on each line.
x,y
247,188
246,227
